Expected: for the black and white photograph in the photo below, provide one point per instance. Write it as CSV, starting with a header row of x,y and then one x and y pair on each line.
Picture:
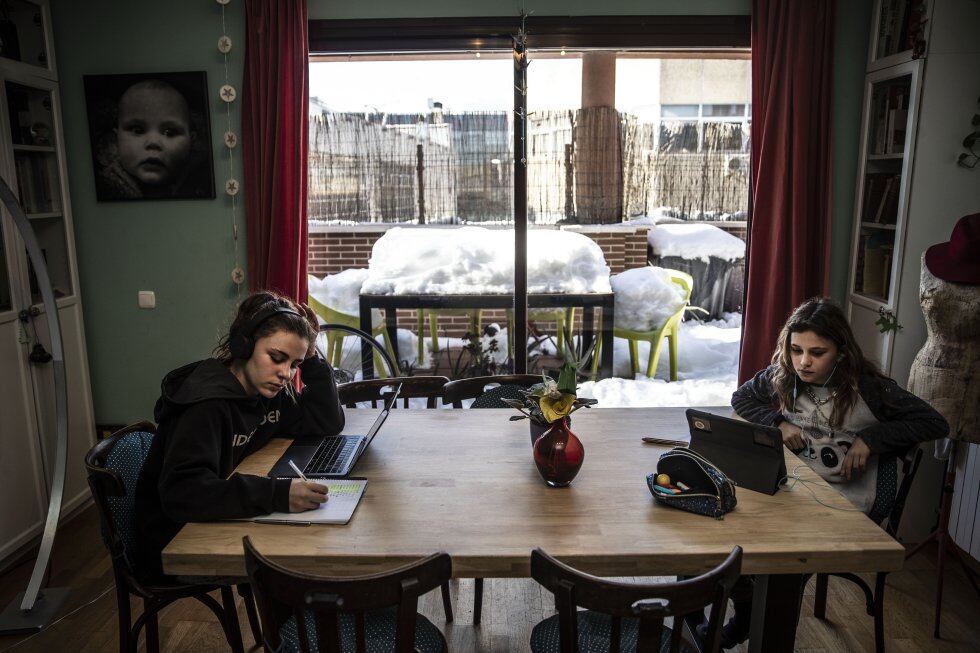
x,y
151,136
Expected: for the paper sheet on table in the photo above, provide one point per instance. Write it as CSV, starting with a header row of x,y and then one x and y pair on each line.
x,y
344,495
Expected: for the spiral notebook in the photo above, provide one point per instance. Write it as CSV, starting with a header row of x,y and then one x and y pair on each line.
x,y
344,495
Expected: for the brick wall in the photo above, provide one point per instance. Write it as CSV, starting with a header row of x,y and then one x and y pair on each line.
x,y
332,249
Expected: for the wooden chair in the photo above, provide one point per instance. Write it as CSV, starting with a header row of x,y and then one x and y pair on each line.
x,y
114,465
377,612
374,390
628,614
669,329
507,386
889,513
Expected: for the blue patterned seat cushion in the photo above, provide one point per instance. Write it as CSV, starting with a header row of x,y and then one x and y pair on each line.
x,y
492,397
593,634
126,459
886,489
379,633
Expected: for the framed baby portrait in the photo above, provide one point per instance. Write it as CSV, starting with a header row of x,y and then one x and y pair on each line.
x,y
151,136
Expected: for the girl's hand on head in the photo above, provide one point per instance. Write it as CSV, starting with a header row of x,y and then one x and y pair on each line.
x,y
311,318
855,460
792,436
306,495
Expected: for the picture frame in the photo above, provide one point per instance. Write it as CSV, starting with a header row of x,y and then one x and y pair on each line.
x,y
150,135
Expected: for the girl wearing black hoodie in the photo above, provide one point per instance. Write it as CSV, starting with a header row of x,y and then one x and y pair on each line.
x,y
213,413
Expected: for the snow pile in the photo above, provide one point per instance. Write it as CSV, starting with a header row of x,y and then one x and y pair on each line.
x,y
707,369
340,292
660,215
695,241
674,215
645,298
474,260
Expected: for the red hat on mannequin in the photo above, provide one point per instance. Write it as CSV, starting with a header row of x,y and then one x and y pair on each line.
x,y
959,259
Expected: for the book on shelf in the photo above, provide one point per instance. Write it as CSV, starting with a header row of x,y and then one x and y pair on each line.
x,y
875,259
880,201
34,184
893,27
888,208
889,116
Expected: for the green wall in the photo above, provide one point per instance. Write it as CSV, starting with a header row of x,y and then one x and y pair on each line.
x,y
183,250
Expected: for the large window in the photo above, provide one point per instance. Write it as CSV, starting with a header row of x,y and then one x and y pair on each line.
x,y
424,135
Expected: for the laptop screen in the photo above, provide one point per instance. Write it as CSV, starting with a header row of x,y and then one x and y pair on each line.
x,y
389,404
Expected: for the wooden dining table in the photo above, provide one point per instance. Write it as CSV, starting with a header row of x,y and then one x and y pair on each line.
x,y
464,482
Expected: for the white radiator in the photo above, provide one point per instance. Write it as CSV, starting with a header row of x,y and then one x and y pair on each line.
x,y
964,517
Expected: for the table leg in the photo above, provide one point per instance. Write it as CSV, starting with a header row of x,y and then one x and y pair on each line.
x,y
776,602
367,355
606,364
588,329
391,324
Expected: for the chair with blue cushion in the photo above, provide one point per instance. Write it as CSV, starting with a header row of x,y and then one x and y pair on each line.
x,y
886,512
621,616
114,465
376,613
487,391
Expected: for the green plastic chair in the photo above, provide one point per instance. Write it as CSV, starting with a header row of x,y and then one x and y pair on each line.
x,y
669,329
335,340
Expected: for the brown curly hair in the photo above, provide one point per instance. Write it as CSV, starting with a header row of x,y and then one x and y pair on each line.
x,y
250,306
825,318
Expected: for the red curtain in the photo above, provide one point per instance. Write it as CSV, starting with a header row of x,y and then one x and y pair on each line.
x,y
789,232
275,101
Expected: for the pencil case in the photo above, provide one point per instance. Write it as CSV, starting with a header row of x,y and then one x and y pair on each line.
x,y
710,492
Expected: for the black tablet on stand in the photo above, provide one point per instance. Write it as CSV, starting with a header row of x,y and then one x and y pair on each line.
x,y
749,454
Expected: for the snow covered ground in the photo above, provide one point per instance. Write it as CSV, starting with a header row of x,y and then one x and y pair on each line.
x,y
707,369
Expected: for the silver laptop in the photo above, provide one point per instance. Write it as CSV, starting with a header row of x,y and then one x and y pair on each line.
x,y
334,456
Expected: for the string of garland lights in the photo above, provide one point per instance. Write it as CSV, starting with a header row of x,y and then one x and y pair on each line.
x,y
228,95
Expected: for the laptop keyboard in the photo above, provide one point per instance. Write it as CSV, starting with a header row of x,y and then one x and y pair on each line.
x,y
332,455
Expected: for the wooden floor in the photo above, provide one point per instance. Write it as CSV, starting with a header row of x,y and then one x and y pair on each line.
x,y
511,608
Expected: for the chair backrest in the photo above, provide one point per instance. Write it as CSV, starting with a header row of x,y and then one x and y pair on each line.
x,y
282,594
650,603
332,316
374,390
476,388
114,466
684,280
910,465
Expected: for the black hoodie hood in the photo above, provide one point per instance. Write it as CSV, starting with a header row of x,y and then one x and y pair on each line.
x,y
195,382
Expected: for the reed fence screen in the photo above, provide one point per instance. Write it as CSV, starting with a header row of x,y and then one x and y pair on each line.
x,y
584,166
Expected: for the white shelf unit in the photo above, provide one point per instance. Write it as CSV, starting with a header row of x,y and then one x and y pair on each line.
x,y
32,162
888,131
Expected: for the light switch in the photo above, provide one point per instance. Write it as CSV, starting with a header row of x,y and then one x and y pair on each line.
x,y
147,299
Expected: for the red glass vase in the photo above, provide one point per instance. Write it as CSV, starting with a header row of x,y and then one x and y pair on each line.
x,y
558,454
